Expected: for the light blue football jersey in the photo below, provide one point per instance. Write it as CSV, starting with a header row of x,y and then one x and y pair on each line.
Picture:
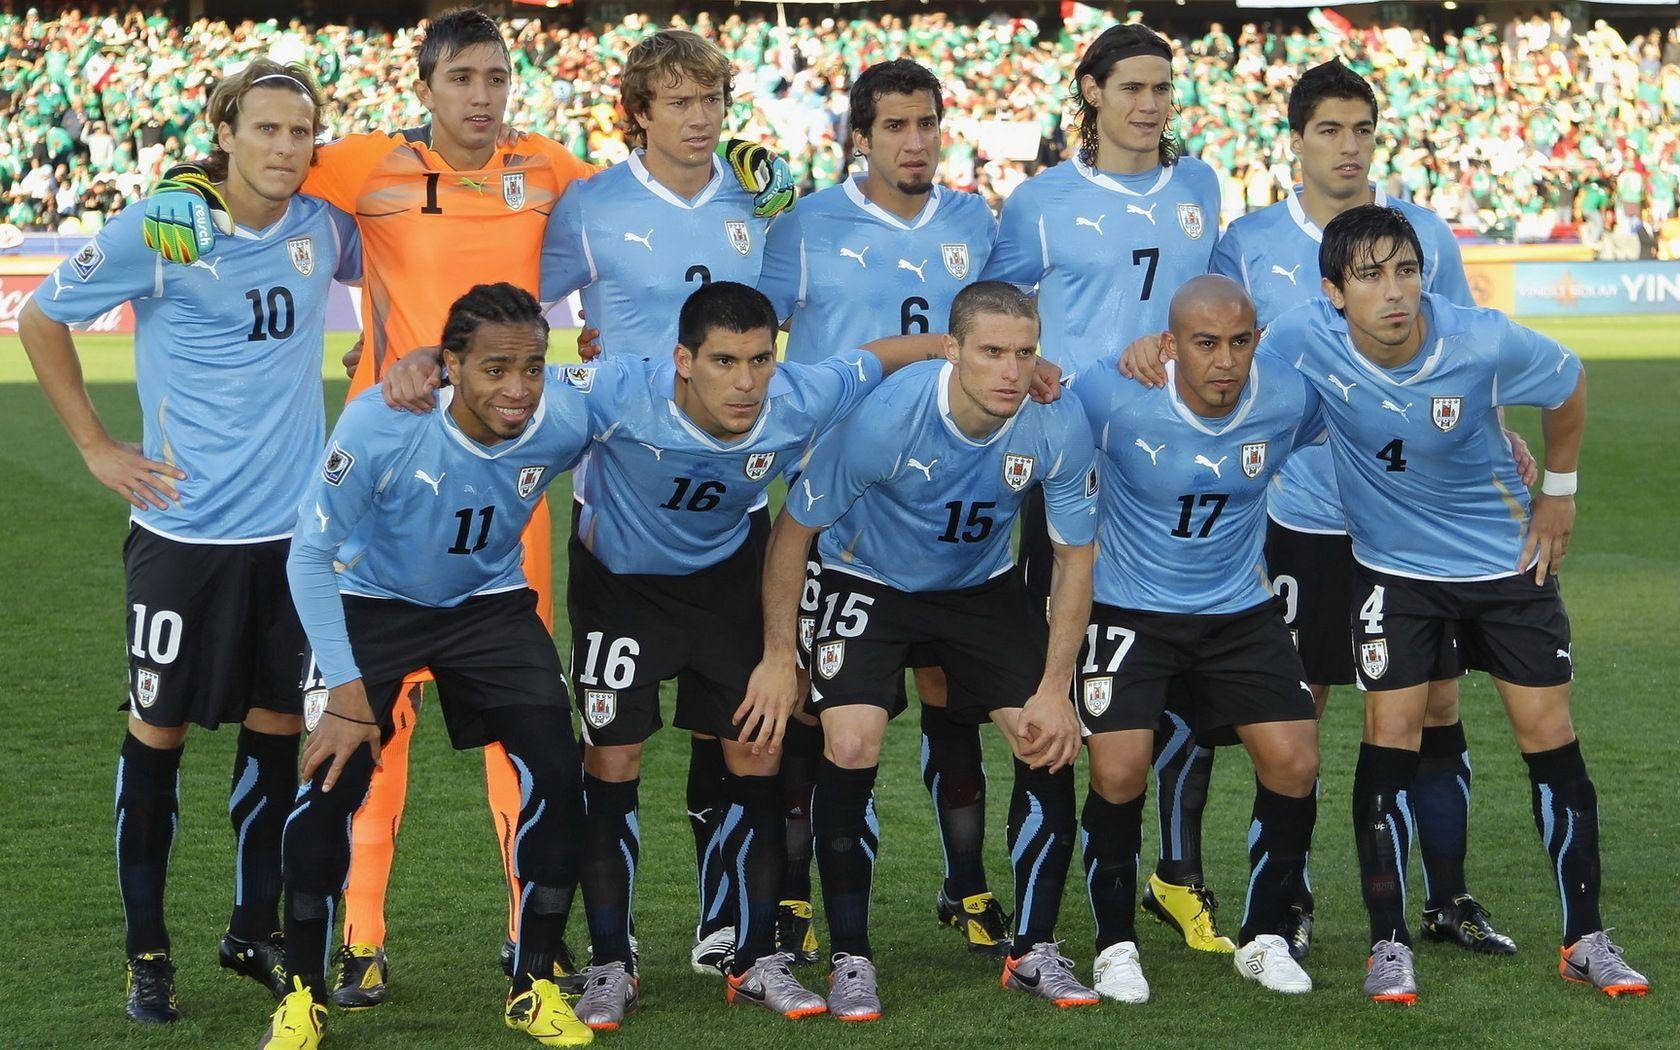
x,y
227,360
415,510
847,271
1426,475
1106,252
910,501
1181,523
661,495
1274,254
638,250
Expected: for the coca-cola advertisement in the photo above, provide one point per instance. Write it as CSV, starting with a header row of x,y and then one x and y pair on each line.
x,y
15,290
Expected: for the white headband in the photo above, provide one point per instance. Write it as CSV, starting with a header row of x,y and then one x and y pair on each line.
x,y
301,86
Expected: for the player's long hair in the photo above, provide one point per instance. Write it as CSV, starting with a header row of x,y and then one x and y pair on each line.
x,y
484,304
225,100
1100,58
1351,240
659,61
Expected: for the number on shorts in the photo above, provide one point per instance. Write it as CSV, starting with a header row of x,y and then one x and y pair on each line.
x,y
1126,635
620,669
810,597
1372,611
157,636
1289,589
854,615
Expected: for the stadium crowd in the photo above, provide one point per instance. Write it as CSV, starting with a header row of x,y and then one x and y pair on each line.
x,y
1509,131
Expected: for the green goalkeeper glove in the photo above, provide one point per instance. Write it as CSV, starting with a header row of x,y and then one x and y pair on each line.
x,y
762,174
184,212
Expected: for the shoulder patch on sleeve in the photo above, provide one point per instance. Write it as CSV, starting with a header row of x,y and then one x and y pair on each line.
x,y
338,464
89,259
579,376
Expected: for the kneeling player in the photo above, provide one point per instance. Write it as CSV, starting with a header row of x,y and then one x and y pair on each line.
x,y
1443,534
916,495
425,513
1181,591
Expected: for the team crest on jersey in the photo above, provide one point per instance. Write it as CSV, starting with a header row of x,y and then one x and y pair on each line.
x,y
1444,412
830,655
301,250
807,632
314,706
600,706
580,377
1017,470
1253,458
529,479
1098,693
739,236
758,465
955,258
513,189
1373,657
146,682
337,465
1190,220
87,260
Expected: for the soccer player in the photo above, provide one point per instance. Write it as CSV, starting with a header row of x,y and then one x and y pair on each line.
x,y
228,364
885,253
1107,240
425,515
1181,591
1444,531
915,496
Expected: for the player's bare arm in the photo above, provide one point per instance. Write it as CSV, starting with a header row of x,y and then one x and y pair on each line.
x,y
773,690
1553,517
1049,726
118,465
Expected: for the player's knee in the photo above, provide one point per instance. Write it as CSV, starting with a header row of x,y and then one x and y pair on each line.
x,y
1118,782
852,747
931,686
161,738
1289,770
1442,706
615,764
274,723
739,760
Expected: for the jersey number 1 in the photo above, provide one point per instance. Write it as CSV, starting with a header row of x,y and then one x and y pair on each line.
x,y
466,514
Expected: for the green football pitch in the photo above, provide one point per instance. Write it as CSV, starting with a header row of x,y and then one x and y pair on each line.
x,y
61,961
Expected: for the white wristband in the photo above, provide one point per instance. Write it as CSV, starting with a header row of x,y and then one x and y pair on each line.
x,y
1557,483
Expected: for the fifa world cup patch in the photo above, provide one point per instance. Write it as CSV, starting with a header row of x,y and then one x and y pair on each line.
x,y
513,189
830,656
758,465
1445,411
1099,693
338,464
1017,470
87,260
314,706
740,237
580,377
1253,458
146,685
1373,657
529,479
301,251
600,706
955,258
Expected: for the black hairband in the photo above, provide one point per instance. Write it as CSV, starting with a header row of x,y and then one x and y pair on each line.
x,y
1143,47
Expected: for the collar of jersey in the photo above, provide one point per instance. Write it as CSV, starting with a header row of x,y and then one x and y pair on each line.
x,y
447,394
1443,322
664,193
869,207
1310,228
1250,396
944,381
1108,182
246,233
664,381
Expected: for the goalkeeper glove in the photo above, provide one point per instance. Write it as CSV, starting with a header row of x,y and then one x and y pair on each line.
x,y
184,212
762,174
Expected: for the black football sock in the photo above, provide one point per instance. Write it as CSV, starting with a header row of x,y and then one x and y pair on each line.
x,y
1041,829
1182,772
801,750
956,781
1303,885
612,847
848,837
1112,835
1566,814
752,847
316,844
1382,834
265,782
148,807
706,804
1278,837
1440,798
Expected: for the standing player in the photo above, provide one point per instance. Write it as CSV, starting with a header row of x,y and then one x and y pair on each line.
x,y
1444,532
425,515
915,496
881,254
1107,240
228,363
1181,591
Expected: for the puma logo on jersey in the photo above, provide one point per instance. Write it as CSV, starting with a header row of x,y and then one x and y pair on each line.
x,y
208,264
926,469
657,452
322,515
905,264
1148,213
645,240
1281,272
427,478
1153,452
847,253
1343,387
810,497
1396,409
1203,461
1095,224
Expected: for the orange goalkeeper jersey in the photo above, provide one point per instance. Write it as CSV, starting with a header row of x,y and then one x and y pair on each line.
x,y
430,232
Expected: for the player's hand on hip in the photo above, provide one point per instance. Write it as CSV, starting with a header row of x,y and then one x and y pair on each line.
x,y
345,725
1046,385
589,343
772,694
1528,468
411,379
352,357
146,483
1145,360
1549,527
1048,731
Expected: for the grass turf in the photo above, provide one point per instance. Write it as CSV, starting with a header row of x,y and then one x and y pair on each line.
x,y
60,571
